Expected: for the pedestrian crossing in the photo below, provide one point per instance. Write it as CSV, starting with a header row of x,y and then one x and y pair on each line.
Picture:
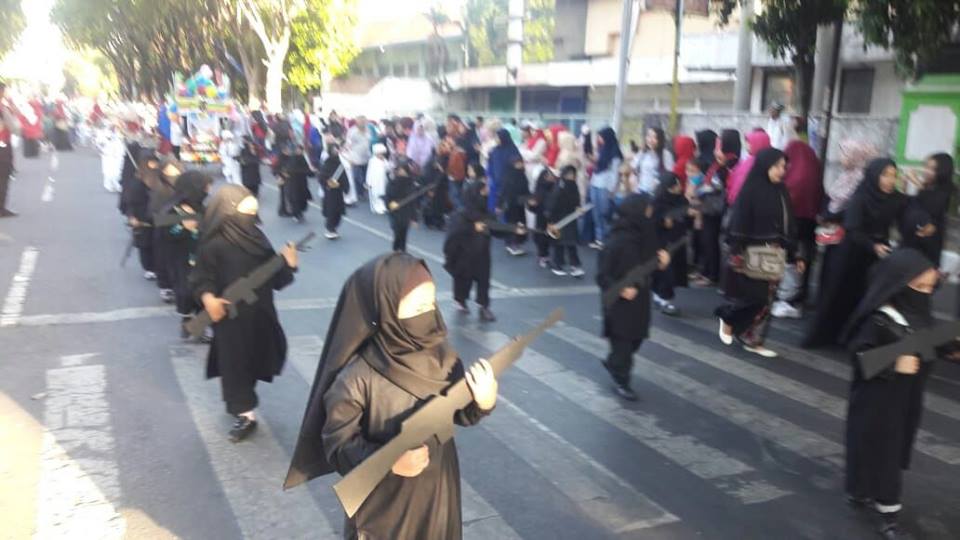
x,y
250,474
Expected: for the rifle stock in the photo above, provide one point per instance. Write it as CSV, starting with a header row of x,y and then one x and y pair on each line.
x,y
924,343
435,418
637,274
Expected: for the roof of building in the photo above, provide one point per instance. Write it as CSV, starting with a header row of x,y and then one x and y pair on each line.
x,y
411,29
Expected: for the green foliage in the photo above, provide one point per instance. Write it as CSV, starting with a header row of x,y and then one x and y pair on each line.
x,y
321,43
87,72
916,30
487,31
12,23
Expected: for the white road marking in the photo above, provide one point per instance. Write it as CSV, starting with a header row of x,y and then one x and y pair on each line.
x,y
927,443
47,194
19,285
71,360
801,441
251,472
480,520
727,473
78,484
288,304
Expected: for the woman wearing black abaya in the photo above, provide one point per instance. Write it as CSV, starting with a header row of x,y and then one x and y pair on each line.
x,y
933,199
250,346
386,353
632,241
872,211
250,166
883,414
762,215
335,184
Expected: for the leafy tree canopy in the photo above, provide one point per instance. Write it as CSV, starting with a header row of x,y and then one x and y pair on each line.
x,y
916,30
12,22
487,31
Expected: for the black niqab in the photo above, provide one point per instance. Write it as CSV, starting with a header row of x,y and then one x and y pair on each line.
x,y
635,218
191,188
888,285
222,218
763,209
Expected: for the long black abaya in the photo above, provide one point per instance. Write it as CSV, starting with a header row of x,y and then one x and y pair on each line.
x,y
375,370
867,221
180,242
251,346
294,172
250,168
667,205
334,190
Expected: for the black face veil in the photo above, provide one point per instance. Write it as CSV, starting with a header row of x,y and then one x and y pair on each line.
x,y
416,357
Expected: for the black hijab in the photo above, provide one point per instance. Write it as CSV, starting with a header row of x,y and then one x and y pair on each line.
x,y
634,223
222,219
191,188
474,202
877,205
935,197
365,324
888,285
706,142
763,209
730,142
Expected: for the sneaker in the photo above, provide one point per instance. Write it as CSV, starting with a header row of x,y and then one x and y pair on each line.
x,y
576,271
167,295
889,527
516,251
660,302
669,309
701,281
725,338
331,235
625,392
242,429
595,245
761,350
557,271
6,212
461,307
486,315
149,276
544,262
783,310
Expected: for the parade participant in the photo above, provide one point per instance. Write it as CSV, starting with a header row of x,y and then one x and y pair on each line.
x,y
434,211
294,172
250,346
498,165
111,148
60,134
884,412
377,170
130,133
562,201
537,204
762,216
603,183
136,202
467,250
671,224
188,195
162,186
386,353
31,128
874,208
333,181
176,135
632,242
9,126
229,152
655,159
400,186
250,166
511,202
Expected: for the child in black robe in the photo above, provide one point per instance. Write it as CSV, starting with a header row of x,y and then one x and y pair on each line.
x,y
250,346
161,191
670,207
294,171
333,181
435,206
546,182
883,413
511,204
135,201
249,160
386,353
563,201
632,242
400,186
467,249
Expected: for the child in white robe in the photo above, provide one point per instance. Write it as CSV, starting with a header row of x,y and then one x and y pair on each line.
x,y
112,150
228,158
377,179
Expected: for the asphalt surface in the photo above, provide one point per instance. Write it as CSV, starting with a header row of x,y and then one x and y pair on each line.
x,y
108,429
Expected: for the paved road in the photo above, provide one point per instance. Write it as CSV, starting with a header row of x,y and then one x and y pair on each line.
x,y
108,429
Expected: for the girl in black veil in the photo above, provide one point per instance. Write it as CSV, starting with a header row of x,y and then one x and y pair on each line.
x,y
883,413
387,352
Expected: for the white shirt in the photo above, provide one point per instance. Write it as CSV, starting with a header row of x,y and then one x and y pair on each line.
x,y
648,172
358,146
176,134
780,130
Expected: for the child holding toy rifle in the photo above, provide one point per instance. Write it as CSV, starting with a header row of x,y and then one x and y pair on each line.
x,y
399,187
537,204
563,201
632,242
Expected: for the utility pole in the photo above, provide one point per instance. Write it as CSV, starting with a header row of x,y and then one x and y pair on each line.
x,y
515,48
625,39
675,89
741,88
834,68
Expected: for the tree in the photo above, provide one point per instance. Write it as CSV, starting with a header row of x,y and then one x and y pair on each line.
x,y
12,22
916,30
322,44
789,28
487,31
437,53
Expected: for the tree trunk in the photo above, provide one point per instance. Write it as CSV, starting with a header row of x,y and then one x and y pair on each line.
x,y
275,82
251,72
803,75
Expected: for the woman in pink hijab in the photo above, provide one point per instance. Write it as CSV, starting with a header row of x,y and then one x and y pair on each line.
x,y
757,140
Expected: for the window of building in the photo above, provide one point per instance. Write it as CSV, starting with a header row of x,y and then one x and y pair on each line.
x,y
413,70
778,86
856,89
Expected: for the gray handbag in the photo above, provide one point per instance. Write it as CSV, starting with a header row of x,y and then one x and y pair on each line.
x,y
766,262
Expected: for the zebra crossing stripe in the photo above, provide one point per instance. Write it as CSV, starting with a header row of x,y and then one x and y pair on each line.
x,y
801,441
927,443
250,473
480,520
728,474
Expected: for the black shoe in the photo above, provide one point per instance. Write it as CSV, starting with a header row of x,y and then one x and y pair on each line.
x,y
889,527
184,333
625,392
4,212
486,315
859,503
242,429
461,307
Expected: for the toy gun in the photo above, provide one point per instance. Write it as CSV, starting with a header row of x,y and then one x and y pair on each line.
x,y
414,195
638,274
433,419
923,344
554,231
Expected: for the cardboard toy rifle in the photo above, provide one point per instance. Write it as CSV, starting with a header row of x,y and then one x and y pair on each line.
x,y
244,290
554,232
677,214
638,274
923,344
133,238
167,219
413,196
435,418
